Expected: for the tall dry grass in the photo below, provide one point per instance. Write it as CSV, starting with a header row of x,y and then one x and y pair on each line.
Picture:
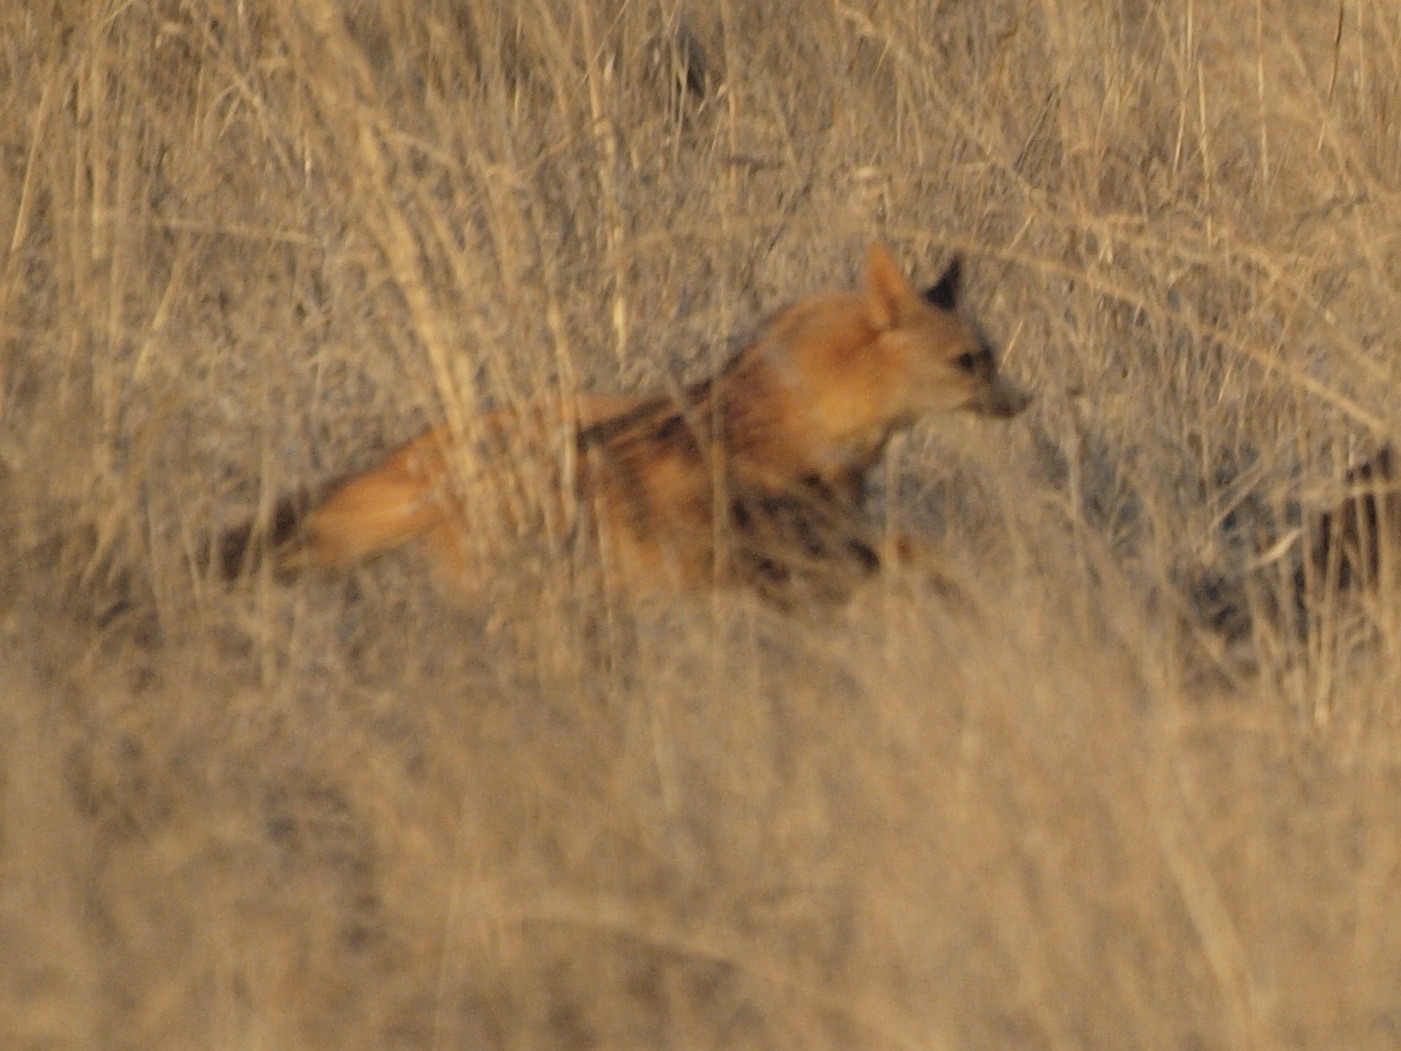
x,y
247,247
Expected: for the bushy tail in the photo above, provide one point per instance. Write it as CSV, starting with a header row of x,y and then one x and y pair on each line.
x,y
406,498
368,515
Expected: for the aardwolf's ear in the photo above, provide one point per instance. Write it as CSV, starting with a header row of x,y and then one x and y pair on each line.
x,y
886,287
944,293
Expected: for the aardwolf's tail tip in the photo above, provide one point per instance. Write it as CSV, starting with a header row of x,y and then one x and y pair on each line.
x,y
244,548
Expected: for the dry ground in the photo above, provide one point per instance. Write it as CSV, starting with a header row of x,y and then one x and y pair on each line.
x,y
245,247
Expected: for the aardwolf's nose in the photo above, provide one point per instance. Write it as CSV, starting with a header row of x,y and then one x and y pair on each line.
x,y
1000,399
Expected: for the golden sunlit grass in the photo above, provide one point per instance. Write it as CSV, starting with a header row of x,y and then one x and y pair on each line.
x,y
1108,798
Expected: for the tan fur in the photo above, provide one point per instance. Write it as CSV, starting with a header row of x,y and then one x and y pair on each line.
x,y
756,475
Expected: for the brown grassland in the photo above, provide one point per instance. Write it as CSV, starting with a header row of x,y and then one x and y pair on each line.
x,y
1110,798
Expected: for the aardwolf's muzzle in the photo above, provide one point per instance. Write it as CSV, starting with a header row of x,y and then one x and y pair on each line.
x,y
1000,399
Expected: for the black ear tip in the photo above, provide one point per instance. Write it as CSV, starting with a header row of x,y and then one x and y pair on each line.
x,y
944,292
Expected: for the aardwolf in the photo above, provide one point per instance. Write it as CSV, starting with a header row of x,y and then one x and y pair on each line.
x,y
755,476
1353,543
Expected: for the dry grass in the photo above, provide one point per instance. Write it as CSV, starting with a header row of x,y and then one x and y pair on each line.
x,y
244,248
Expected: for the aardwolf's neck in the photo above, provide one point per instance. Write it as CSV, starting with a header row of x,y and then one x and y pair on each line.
x,y
756,416
786,409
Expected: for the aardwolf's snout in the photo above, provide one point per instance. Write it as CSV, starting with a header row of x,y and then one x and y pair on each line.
x,y
1001,399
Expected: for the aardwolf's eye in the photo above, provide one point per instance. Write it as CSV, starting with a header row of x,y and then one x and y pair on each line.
x,y
968,360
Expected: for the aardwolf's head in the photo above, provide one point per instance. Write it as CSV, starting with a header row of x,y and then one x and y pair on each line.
x,y
943,361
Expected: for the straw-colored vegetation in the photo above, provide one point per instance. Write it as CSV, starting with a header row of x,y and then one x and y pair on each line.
x,y
1108,800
